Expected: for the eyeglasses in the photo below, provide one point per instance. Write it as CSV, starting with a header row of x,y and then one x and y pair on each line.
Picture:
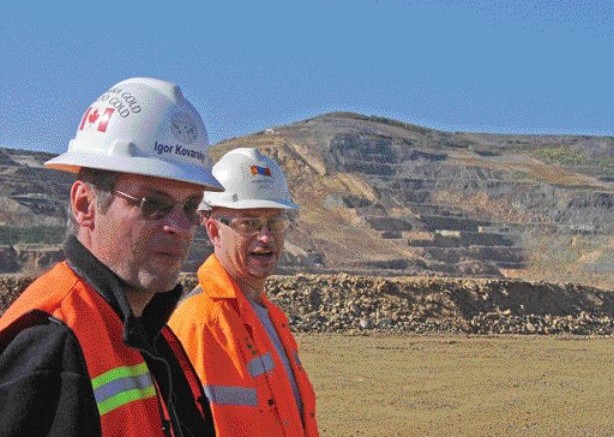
x,y
254,225
155,208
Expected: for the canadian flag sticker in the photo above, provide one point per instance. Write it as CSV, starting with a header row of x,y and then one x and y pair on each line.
x,y
94,119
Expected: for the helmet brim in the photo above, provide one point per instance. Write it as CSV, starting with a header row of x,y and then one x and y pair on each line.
x,y
146,166
253,204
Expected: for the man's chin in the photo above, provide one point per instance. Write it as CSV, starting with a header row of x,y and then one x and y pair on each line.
x,y
156,283
260,273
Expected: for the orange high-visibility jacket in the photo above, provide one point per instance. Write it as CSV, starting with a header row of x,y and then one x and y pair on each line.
x,y
243,376
127,397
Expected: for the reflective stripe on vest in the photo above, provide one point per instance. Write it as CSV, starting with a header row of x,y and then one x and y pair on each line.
x,y
231,395
235,395
259,365
122,385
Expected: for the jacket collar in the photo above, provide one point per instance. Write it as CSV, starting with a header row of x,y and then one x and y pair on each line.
x,y
138,331
218,284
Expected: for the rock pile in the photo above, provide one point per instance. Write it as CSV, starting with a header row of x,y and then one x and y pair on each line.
x,y
353,304
364,304
10,287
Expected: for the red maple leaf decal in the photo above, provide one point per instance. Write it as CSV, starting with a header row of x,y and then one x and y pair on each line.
x,y
93,116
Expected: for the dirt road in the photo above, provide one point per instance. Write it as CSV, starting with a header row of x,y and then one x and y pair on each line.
x,y
462,386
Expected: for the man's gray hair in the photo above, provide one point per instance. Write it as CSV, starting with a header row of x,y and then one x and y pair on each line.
x,y
102,182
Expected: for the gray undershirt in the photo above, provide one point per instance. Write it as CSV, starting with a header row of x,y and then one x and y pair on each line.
x,y
265,319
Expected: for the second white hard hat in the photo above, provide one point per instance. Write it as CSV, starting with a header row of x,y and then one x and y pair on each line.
x,y
250,180
142,126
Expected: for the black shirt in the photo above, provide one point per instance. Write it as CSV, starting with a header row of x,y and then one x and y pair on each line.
x,y
45,389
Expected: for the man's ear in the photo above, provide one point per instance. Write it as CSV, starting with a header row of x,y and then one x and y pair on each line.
x,y
213,231
83,204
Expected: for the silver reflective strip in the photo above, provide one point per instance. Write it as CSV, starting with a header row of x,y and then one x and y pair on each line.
x,y
122,385
231,395
297,359
259,365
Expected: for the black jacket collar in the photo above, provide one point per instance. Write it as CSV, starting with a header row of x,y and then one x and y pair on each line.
x,y
141,331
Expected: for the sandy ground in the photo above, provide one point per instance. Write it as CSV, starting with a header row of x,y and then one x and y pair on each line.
x,y
461,386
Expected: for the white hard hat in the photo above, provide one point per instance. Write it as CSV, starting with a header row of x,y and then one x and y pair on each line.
x,y
142,126
250,180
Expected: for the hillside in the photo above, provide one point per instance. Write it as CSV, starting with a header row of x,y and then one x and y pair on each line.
x,y
380,196
383,197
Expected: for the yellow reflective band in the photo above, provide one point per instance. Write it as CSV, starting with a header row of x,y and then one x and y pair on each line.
x,y
122,385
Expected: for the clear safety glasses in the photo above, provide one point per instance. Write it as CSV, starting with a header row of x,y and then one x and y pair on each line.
x,y
253,225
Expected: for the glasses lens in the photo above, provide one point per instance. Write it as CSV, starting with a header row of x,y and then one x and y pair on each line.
x,y
245,225
190,209
253,225
156,207
278,224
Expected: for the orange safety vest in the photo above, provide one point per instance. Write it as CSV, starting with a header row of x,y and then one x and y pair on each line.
x,y
128,400
232,353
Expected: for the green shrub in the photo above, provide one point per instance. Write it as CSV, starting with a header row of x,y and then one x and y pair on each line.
x,y
562,155
595,166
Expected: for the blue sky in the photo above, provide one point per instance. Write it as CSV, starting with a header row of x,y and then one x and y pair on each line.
x,y
541,67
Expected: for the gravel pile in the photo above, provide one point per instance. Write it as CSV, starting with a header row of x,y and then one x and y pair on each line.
x,y
10,287
363,304
350,304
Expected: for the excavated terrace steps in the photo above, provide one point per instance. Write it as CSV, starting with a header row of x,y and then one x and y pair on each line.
x,y
454,239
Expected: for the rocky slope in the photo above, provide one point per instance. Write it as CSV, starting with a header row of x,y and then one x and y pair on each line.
x,y
382,197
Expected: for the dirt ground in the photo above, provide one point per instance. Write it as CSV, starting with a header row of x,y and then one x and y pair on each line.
x,y
461,386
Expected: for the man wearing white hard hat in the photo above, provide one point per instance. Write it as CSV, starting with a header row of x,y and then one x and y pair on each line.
x,y
239,342
85,350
